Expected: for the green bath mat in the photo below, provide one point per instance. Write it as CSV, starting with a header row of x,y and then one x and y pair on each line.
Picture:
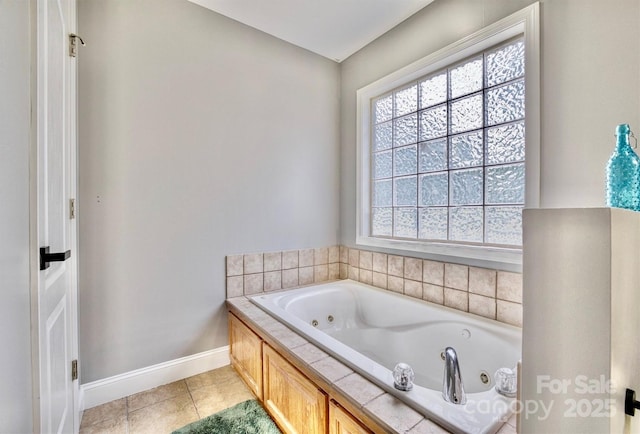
x,y
245,418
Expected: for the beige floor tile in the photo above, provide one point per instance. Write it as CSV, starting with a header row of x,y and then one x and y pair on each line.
x,y
163,417
111,410
155,395
217,376
108,426
216,397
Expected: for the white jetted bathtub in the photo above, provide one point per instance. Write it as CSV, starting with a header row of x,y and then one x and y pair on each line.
x,y
372,330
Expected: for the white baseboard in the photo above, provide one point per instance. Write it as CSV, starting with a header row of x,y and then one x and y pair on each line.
x,y
116,387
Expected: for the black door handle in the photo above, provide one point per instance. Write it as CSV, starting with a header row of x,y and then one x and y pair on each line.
x,y
46,257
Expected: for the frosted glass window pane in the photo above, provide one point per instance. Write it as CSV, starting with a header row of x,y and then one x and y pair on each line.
x,y
433,90
432,156
382,222
505,184
405,222
503,225
505,103
505,144
382,165
406,101
466,150
432,223
466,187
382,136
405,130
466,114
405,191
383,109
465,224
434,189
382,193
466,78
504,64
433,123
405,160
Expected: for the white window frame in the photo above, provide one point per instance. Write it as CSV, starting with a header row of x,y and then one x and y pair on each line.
x,y
523,23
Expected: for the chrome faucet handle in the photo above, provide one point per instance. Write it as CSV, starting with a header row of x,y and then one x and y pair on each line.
x,y
403,377
452,386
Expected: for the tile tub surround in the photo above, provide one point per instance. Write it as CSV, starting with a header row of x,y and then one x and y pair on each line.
x,y
356,393
493,294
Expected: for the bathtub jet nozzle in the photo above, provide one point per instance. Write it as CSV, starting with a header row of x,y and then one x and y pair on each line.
x,y
403,377
452,387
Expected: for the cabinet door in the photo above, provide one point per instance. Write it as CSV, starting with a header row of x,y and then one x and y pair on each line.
x,y
295,403
341,422
246,354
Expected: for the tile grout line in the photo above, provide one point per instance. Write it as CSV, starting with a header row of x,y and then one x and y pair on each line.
x,y
192,400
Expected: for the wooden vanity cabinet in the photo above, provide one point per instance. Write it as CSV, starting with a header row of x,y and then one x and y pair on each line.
x,y
295,403
246,354
341,422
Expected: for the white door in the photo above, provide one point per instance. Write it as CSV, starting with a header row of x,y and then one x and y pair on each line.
x,y
56,154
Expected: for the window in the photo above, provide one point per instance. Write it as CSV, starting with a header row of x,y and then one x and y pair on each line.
x,y
445,142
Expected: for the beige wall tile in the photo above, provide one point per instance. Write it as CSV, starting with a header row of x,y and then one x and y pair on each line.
x,y
235,286
354,273
510,313
331,369
290,278
398,416
253,283
366,276
344,271
510,286
413,269
413,288
344,254
321,273
427,427
321,256
305,258
289,259
272,280
234,265
334,271
366,260
358,388
379,262
456,299
433,272
483,306
395,265
379,280
456,276
433,293
334,254
482,281
354,258
395,284
305,275
253,263
273,261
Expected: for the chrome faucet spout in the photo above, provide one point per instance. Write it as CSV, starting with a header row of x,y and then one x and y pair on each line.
x,y
452,387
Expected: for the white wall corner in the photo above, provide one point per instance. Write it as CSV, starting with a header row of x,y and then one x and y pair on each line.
x,y
122,385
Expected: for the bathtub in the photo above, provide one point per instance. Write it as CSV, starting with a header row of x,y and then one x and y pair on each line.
x,y
371,330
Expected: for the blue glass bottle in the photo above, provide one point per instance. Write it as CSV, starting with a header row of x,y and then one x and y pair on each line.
x,y
623,173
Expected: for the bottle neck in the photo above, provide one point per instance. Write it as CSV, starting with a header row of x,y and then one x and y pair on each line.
x,y
623,141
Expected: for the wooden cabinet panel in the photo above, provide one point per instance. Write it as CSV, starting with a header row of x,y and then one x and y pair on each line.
x,y
341,422
294,402
246,354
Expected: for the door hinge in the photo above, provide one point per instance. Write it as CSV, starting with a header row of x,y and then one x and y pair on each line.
x,y
72,209
74,370
73,44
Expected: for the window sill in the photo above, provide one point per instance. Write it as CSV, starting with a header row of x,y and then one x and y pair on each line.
x,y
500,257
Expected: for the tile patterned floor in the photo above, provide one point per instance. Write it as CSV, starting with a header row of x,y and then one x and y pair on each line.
x,y
168,407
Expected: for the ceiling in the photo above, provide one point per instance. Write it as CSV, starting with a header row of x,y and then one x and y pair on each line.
x,y
331,28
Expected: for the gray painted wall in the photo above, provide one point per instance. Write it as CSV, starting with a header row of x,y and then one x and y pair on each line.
x,y
15,330
590,57
199,137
